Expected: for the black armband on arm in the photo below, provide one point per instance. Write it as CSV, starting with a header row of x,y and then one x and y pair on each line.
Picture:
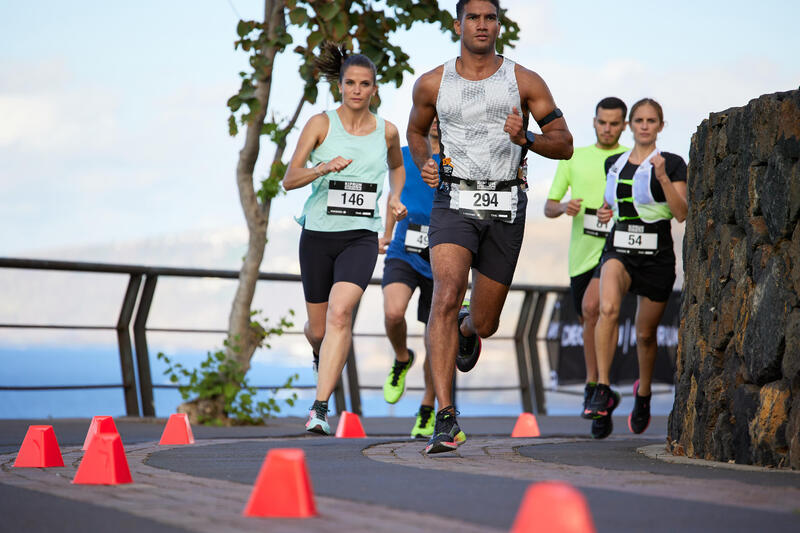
x,y
554,114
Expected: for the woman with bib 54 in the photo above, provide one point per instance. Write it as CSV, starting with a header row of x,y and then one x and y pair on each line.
x,y
645,189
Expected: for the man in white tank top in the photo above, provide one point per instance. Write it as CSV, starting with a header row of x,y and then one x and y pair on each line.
x,y
482,101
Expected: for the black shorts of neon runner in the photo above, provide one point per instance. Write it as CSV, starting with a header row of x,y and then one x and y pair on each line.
x,y
578,285
328,257
495,245
398,271
651,275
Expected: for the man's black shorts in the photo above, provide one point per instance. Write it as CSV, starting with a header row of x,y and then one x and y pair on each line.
x,y
495,245
578,285
328,257
651,275
398,271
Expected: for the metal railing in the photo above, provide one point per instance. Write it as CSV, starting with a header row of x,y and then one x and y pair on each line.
x,y
137,383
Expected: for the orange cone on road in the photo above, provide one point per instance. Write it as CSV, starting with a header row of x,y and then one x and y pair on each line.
x,y
350,426
526,426
104,463
283,487
178,430
39,449
100,424
553,506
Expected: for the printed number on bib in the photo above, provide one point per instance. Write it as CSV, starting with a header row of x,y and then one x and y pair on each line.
x,y
475,201
416,238
592,226
351,198
635,239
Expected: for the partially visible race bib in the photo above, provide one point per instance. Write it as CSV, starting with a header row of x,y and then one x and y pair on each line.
x,y
476,200
635,239
592,226
416,238
351,198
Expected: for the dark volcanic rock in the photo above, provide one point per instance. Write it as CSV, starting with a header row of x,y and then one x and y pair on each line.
x,y
738,381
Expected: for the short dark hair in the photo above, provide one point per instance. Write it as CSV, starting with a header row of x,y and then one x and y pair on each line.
x,y
650,102
461,3
334,60
612,102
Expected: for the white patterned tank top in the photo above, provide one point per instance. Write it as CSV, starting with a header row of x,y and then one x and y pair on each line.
x,y
472,115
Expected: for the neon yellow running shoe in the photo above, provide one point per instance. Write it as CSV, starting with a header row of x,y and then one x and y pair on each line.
x,y
395,384
423,429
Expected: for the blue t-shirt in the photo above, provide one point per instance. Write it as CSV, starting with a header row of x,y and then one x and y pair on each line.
x,y
417,196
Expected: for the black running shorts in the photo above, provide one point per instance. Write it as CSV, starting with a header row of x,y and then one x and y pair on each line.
x,y
495,245
328,257
651,275
398,271
578,285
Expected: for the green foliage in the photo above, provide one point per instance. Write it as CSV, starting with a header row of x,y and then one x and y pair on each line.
x,y
223,379
359,25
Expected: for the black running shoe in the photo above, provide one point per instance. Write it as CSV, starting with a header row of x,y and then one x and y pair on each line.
x,y
639,419
588,391
447,436
603,426
602,400
469,348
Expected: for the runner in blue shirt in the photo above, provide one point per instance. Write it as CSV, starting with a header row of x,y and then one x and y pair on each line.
x,y
404,270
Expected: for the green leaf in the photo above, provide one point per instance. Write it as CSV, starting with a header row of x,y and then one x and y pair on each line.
x,y
327,11
314,39
244,27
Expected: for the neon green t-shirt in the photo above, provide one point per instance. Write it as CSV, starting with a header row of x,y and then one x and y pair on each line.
x,y
585,175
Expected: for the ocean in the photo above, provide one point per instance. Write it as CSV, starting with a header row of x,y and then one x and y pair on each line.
x,y
92,364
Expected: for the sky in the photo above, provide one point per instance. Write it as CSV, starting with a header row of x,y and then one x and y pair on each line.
x,y
113,117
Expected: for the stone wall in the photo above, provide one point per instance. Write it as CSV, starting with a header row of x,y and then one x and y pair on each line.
x,y
738,378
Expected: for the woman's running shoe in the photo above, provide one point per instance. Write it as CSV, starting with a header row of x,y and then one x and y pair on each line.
x,y
318,419
447,436
469,348
426,421
395,384
602,402
639,419
603,426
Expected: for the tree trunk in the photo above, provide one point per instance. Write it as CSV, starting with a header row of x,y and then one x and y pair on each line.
x,y
241,334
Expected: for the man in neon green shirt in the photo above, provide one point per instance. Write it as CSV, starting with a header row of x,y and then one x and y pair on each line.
x,y
584,174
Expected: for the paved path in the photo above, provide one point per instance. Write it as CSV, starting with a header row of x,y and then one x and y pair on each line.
x,y
385,483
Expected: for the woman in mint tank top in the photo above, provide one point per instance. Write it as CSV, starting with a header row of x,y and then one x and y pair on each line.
x,y
350,149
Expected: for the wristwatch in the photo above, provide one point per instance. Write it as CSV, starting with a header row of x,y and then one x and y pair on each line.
x,y
529,138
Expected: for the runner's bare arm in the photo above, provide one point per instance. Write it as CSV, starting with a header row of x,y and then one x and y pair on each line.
x,y
554,208
313,134
423,112
397,172
555,142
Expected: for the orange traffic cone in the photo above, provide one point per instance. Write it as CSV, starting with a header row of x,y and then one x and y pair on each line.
x,y
104,463
553,506
526,426
350,426
39,449
178,430
100,424
283,487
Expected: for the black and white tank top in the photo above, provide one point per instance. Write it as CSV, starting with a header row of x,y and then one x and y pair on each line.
x,y
472,115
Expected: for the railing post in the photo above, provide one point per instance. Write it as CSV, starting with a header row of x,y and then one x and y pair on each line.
x,y
523,325
352,372
140,340
125,349
536,369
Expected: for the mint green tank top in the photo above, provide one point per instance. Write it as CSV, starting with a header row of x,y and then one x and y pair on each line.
x,y
347,200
